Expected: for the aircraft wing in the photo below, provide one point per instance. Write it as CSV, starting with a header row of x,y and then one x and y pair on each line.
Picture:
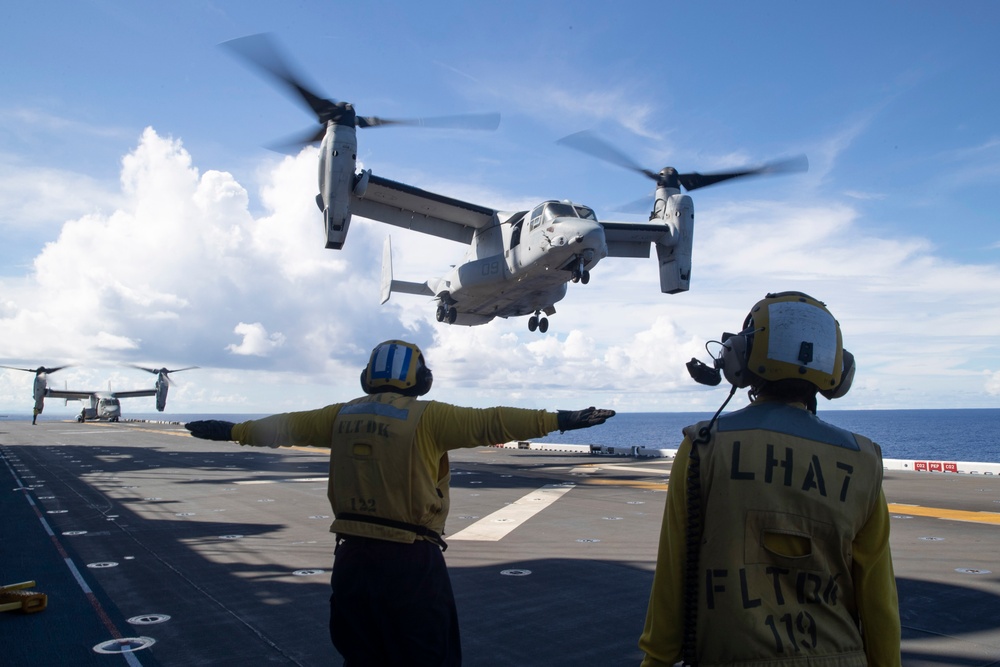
x,y
422,211
632,239
134,394
69,395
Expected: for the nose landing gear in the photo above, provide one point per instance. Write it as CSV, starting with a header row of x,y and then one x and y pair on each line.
x,y
580,274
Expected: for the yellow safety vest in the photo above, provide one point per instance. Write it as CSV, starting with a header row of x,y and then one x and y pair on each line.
x,y
783,495
381,486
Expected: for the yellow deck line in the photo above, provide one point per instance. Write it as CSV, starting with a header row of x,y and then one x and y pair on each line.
x,y
952,515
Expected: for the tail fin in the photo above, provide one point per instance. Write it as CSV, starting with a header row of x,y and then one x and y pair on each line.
x,y
386,290
389,285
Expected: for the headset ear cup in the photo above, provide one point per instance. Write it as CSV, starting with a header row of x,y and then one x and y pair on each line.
x,y
734,361
364,383
424,380
846,378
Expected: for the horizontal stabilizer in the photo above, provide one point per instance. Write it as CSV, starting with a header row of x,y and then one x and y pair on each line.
x,y
407,287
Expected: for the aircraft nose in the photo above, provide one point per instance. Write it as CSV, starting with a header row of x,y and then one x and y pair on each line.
x,y
586,233
577,234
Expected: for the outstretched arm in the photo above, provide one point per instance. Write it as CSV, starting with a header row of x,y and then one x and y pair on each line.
x,y
311,428
453,427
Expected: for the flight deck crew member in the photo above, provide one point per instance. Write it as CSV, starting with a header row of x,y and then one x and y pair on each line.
x,y
392,602
774,548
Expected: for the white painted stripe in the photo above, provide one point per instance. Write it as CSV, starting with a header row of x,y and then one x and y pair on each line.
x,y
278,481
656,471
131,659
79,577
46,526
496,526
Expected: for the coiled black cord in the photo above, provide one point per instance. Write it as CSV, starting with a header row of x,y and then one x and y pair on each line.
x,y
693,536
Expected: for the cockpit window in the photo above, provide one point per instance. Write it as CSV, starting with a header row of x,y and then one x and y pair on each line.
x,y
555,210
536,217
585,212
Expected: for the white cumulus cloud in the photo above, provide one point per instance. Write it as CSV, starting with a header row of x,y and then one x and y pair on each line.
x,y
180,272
256,340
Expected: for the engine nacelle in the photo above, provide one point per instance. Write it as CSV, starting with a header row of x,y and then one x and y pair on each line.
x,y
675,256
336,228
38,392
162,385
337,161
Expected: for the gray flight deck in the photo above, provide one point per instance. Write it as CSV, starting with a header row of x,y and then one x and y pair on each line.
x,y
155,548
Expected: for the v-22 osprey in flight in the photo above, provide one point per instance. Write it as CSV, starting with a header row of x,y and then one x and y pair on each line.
x,y
518,263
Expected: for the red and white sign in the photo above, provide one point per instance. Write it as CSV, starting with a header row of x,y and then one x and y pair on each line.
x,y
935,466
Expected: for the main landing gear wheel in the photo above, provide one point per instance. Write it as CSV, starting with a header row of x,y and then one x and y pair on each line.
x,y
535,322
448,315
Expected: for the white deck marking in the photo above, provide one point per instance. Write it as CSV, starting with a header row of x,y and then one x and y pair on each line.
x,y
282,481
497,525
626,468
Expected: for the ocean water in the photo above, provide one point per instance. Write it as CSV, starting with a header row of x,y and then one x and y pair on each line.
x,y
953,435
942,435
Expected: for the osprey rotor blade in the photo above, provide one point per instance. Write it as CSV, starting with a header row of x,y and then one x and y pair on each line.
x,y
589,143
164,370
694,180
37,371
293,144
178,370
166,373
472,121
262,52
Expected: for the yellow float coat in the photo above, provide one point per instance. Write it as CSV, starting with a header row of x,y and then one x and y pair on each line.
x,y
794,564
389,454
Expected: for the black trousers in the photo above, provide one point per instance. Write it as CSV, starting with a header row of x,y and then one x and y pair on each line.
x,y
392,604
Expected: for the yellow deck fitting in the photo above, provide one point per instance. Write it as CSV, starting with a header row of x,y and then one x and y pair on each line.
x,y
13,597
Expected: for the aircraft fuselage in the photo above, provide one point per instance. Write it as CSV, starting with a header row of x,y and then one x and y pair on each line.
x,y
523,267
103,407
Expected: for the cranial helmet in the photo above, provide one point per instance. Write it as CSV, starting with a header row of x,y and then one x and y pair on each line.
x,y
788,336
398,366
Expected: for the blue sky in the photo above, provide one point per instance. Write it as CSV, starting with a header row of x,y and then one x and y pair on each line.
x,y
144,222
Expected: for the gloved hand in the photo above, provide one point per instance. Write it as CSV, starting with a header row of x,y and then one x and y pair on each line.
x,y
570,420
211,429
